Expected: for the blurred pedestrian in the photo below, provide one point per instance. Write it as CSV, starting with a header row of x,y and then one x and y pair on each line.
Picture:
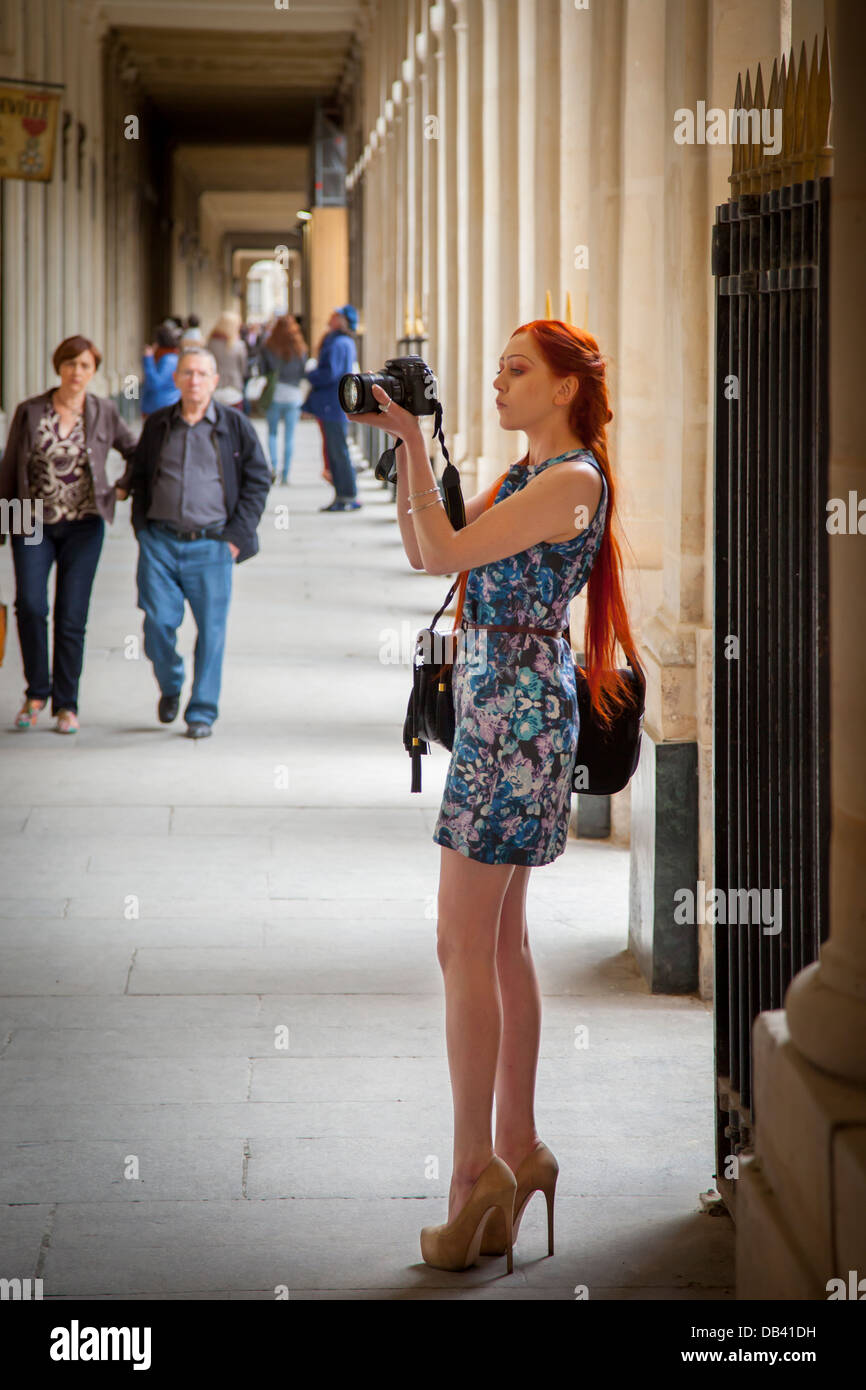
x,y
192,334
283,357
230,352
159,363
55,456
336,358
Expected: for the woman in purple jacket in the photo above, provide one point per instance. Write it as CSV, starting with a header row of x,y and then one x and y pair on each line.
x,y
54,466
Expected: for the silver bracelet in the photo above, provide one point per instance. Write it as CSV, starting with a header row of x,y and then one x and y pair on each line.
x,y
410,511
413,495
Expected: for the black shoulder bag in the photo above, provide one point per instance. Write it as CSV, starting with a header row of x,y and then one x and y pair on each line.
x,y
606,759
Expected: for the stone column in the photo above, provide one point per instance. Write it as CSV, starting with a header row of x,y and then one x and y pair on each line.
x,y
475,375
458,401
406,77
54,316
440,342
528,304
33,345
426,189
497,188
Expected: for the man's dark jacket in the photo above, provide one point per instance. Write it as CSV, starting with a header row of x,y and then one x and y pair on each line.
x,y
245,474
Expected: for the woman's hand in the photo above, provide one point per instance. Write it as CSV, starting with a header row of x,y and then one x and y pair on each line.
x,y
395,420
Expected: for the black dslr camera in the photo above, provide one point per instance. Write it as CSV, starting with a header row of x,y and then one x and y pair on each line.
x,y
408,381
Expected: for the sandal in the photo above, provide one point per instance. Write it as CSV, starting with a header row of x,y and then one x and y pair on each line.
x,y
28,714
67,721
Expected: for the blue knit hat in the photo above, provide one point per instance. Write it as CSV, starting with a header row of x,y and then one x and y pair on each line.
x,y
350,314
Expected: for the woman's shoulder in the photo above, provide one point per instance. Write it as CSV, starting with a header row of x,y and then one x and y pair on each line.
x,y
41,398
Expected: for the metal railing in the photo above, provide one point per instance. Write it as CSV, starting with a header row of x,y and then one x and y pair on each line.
x,y
771,665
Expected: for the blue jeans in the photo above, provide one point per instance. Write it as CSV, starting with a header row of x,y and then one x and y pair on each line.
x,y
200,572
339,462
76,547
288,413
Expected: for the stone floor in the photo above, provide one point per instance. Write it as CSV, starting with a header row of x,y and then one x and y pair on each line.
x,y
222,1054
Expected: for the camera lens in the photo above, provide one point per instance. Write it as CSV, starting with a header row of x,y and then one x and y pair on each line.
x,y
351,393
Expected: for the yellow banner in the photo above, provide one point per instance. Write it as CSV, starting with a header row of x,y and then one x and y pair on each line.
x,y
28,131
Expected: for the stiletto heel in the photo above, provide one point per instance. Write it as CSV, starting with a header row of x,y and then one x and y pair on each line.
x,y
549,1197
456,1245
537,1173
508,1213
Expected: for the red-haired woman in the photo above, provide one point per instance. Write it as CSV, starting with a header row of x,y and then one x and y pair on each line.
x,y
55,458
507,797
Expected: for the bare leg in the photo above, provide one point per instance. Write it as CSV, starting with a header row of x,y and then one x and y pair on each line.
x,y
516,1134
470,901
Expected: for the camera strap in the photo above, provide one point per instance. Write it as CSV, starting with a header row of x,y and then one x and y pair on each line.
x,y
450,477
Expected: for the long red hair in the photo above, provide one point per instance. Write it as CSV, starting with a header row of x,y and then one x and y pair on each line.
x,y
571,351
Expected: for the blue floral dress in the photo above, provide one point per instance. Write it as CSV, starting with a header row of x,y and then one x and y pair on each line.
x,y
507,794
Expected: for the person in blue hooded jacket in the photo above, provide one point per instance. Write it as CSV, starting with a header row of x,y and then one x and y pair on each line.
x,y
159,365
337,355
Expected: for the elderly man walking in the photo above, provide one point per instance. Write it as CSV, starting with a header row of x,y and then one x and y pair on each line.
x,y
199,482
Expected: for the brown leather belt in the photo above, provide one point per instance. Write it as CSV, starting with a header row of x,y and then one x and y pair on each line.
x,y
505,627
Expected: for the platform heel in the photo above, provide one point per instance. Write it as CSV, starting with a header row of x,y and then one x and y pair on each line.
x,y
456,1245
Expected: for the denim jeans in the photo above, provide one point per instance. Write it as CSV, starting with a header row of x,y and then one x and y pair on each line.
x,y
288,412
200,572
76,547
340,464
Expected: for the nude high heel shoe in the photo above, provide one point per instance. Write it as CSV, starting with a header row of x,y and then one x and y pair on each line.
x,y
537,1173
456,1245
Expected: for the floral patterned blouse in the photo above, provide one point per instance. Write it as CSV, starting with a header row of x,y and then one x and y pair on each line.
x,y
58,470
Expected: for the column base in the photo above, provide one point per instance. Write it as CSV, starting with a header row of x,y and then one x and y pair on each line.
x,y
801,1197
664,859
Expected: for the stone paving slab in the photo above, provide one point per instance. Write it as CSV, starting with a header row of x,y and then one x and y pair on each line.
x,y
108,1079
93,933
95,1171
67,970
127,1120
202,1246
355,1167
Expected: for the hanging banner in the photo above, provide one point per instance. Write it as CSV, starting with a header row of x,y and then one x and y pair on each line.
x,y
28,129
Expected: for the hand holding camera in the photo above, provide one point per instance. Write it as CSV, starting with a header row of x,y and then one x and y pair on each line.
x,y
391,400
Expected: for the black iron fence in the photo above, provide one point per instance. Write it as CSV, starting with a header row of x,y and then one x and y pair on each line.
x,y
771,711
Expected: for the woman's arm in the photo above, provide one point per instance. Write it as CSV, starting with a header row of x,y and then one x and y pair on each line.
x,y
473,509
125,442
561,497
560,500
9,462
405,522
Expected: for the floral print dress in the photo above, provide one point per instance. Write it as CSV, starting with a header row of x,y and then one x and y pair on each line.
x,y
507,794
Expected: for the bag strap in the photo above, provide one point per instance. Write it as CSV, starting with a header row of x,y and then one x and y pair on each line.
x,y
464,575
